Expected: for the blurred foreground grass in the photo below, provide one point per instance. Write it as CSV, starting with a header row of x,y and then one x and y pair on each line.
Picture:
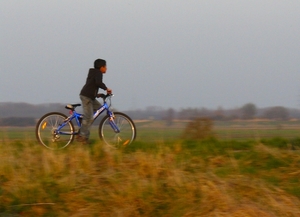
x,y
155,178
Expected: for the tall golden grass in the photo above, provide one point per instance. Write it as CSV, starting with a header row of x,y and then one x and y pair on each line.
x,y
147,179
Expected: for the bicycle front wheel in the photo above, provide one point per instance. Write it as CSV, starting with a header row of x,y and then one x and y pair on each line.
x,y
126,126
47,134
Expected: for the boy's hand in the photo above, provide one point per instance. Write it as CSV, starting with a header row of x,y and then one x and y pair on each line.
x,y
108,91
100,95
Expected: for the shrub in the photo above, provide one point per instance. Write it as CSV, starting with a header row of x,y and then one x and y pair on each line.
x,y
199,128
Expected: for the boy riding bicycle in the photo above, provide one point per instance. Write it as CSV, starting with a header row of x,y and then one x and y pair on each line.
x,y
88,95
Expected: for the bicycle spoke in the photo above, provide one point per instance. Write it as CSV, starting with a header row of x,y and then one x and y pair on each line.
x,y
126,127
46,131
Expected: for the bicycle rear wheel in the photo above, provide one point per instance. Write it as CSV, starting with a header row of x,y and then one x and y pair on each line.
x,y
46,132
126,126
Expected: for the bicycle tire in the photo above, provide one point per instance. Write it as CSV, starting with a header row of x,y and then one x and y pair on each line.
x,y
127,132
45,131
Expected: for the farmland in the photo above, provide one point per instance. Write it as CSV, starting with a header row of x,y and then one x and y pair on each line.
x,y
248,168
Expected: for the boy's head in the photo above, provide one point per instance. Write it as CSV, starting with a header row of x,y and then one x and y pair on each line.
x,y
99,63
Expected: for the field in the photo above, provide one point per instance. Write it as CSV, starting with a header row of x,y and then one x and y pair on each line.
x,y
249,168
224,130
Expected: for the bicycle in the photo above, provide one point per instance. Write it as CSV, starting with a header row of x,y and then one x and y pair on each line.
x,y
55,130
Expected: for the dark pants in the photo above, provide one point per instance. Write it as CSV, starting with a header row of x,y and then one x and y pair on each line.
x,y
89,106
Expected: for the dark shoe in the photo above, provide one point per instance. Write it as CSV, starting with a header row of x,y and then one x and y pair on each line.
x,y
83,140
79,138
86,142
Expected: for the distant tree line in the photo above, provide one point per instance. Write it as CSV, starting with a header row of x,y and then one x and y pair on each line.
x,y
245,112
17,121
10,109
24,114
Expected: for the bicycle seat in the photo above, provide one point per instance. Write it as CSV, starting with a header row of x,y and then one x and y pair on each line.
x,y
72,106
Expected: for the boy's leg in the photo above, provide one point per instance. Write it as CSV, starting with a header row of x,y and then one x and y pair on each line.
x,y
96,105
87,120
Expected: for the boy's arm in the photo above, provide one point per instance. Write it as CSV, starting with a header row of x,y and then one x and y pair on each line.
x,y
101,85
99,82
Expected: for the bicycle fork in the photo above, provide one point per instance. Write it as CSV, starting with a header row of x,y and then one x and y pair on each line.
x,y
113,124
117,130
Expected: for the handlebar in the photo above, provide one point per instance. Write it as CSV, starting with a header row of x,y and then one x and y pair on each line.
x,y
104,96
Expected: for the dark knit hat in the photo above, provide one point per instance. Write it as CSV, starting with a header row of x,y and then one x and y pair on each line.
x,y
99,63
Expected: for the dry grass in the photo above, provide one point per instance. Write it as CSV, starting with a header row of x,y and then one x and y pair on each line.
x,y
145,180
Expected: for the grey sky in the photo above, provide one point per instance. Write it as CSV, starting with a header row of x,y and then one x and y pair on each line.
x,y
168,53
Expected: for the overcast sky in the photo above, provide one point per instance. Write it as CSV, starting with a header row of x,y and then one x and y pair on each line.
x,y
166,53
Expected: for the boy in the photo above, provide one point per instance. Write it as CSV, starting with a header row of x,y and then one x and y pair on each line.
x,y
88,95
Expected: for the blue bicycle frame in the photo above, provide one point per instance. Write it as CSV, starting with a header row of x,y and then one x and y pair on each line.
x,y
78,117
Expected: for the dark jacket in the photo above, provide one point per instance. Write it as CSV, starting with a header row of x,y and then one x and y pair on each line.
x,y
92,84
